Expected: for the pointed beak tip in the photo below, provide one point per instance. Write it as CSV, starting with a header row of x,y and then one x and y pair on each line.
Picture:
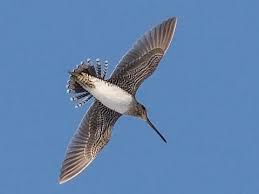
x,y
154,128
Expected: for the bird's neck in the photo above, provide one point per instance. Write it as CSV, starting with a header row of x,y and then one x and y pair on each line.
x,y
133,109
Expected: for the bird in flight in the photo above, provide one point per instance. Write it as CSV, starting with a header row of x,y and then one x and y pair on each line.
x,y
113,97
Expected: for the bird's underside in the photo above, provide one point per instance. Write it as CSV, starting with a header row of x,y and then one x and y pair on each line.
x,y
110,95
95,128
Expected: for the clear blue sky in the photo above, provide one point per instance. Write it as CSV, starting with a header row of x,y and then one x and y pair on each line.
x,y
203,97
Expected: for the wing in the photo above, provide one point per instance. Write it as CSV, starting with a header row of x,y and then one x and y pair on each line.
x,y
91,136
141,61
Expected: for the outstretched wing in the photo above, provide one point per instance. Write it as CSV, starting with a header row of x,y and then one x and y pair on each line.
x,y
141,61
91,136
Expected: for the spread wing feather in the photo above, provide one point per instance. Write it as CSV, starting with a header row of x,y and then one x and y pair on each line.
x,y
95,128
92,135
141,61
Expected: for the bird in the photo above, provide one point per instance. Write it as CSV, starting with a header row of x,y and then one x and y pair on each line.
x,y
113,97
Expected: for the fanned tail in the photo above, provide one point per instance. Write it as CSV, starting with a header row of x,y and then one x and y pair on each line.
x,y
78,94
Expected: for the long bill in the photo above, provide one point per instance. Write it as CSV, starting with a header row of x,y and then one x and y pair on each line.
x,y
153,127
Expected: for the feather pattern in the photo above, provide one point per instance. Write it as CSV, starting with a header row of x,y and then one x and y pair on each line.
x,y
95,129
78,93
141,61
92,135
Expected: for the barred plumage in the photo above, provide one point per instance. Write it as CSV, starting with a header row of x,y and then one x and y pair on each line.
x,y
91,136
95,128
78,93
141,61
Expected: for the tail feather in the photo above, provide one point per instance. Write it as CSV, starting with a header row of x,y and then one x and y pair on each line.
x,y
98,68
79,94
81,99
105,69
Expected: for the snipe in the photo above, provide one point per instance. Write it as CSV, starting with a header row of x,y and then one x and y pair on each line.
x,y
114,97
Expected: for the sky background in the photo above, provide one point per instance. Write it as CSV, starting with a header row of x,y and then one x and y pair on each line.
x,y
203,97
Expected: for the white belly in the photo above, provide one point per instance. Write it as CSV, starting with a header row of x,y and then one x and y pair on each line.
x,y
111,95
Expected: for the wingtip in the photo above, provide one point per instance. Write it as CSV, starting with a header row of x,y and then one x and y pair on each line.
x,y
173,20
61,181
63,177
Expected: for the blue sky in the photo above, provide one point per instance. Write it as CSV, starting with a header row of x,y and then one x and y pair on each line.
x,y
203,97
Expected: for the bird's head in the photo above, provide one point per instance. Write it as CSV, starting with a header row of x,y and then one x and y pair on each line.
x,y
141,112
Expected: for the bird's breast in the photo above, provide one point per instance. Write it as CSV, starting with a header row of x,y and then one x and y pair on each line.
x,y
111,95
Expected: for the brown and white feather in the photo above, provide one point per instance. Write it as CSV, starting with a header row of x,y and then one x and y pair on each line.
x,y
95,129
142,60
92,135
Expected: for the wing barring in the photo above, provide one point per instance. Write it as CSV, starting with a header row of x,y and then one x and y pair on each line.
x,y
142,60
